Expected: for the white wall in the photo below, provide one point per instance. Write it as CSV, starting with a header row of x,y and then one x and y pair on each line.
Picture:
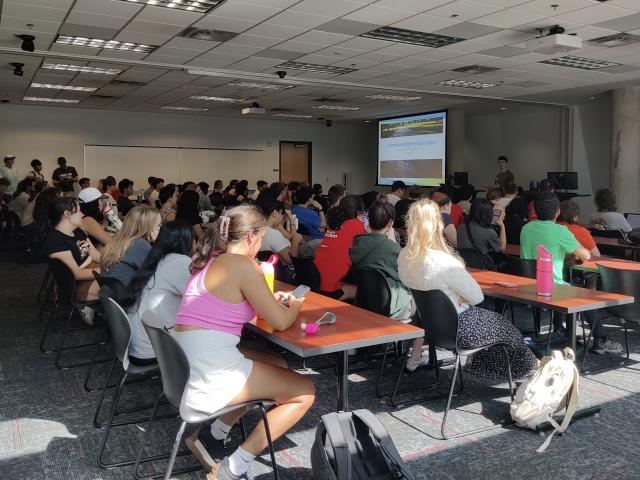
x,y
48,132
531,137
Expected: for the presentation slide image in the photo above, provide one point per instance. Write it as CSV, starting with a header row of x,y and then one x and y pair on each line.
x,y
410,128
421,168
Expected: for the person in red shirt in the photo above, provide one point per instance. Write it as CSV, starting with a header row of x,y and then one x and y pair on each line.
x,y
545,185
332,257
569,213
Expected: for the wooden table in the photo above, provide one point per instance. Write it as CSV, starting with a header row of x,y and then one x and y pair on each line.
x,y
566,299
355,328
512,250
613,242
592,265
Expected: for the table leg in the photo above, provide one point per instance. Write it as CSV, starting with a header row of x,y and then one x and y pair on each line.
x,y
343,382
572,320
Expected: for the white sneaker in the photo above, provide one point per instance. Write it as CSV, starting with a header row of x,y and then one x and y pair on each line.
x,y
413,364
87,314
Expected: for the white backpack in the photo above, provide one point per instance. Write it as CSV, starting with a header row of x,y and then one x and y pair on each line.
x,y
544,394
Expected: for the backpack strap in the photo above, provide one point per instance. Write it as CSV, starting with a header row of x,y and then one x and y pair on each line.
x,y
339,443
384,440
473,242
572,406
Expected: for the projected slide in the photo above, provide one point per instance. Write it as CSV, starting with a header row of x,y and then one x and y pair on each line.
x,y
412,149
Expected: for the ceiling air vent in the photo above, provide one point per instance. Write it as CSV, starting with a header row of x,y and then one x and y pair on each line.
x,y
615,40
211,35
328,100
475,69
104,97
126,83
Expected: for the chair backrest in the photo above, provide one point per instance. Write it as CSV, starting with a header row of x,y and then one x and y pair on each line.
x,y
438,317
307,273
65,282
518,266
118,290
627,282
373,291
118,325
173,363
606,233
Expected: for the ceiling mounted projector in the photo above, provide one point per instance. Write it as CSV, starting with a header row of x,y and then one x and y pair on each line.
x,y
556,41
254,109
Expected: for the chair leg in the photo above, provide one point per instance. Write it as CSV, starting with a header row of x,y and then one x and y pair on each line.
x,y
451,388
272,452
116,399
396,392
536,320
550,332
626,338
49,326
174,450
513,317
382,365
103,395
93,361
510,377
145,438
62,339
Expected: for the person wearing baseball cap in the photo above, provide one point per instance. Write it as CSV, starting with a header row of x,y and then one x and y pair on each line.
x,y
7,171
92,205
91,194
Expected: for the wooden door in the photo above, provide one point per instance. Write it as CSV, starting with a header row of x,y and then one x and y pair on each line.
x,y
295,162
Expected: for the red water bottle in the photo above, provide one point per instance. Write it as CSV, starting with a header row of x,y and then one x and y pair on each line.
x,y
544,272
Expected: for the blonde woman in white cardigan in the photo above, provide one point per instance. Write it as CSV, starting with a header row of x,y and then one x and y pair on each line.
x,y
428,262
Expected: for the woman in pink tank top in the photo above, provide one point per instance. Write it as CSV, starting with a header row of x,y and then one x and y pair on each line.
x,y
226,290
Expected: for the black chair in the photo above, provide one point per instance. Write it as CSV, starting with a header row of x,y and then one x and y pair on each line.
x,y
120,339
307,273
606,233
627,282
65,304
439,319
174,368
472,258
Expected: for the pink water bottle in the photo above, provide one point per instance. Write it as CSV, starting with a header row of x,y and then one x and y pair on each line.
x,y
544,272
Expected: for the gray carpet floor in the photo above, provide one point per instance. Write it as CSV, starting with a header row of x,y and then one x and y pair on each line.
x,y
46,429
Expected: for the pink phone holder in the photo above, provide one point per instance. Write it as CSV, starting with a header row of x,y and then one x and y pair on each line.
x,y
314,327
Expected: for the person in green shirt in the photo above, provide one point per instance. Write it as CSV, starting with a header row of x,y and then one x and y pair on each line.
x,y
560,242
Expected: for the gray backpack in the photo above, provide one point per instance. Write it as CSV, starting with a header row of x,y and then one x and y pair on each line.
x,y
355,446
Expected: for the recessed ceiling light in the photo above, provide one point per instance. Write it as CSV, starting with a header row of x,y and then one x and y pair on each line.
x,y
580,63
199,6
261,86
184,109
50,100
291,115
313,67
413,37
475,69
217,99
101,43
63,87
465,84
78,68
335,107
615,40
393,98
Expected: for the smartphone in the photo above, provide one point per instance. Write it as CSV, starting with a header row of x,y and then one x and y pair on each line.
x,y
299,292
496,215
506,284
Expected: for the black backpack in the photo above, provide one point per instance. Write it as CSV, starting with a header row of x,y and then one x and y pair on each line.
x,y
355,446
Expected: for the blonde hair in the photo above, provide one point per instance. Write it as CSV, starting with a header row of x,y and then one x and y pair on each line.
x,y
425,231
231,227
139,223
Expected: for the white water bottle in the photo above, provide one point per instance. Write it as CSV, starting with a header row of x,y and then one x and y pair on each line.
x,y
112,215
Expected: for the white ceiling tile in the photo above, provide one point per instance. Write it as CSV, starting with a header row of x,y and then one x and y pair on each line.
x,y
629,4
463,9
299,20
426,23
245,50
154,27
8,39
364,44
271,3
36,13
121,54
112,8
168,15
74,50
505,3
88,31
469,46
142,37
275,31
543,7
587,33
335,8
92,20
302,47
192,44
505,37
378,15
255,41
413,6
404,49
242,11
508,18
38,25
322,38
48,3
338,51
595,14
213,22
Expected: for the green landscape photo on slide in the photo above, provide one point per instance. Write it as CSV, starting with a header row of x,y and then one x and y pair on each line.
x,y
410,128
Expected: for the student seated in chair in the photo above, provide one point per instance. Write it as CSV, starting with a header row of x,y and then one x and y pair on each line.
x,y
558,240
276,237
305,209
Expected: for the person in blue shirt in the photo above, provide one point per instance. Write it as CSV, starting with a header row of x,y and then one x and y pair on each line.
x,y
305,210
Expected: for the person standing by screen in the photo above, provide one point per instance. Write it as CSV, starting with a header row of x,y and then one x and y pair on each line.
x,y
504,176
64,177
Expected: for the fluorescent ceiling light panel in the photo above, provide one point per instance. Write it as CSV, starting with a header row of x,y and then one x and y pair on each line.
x,y
465,84
615,40
580,63
199,6
261,86
393,98
107,44
185,109
291,115
63,87
335,107
51,100
79,69
413,37
217,99
313,67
